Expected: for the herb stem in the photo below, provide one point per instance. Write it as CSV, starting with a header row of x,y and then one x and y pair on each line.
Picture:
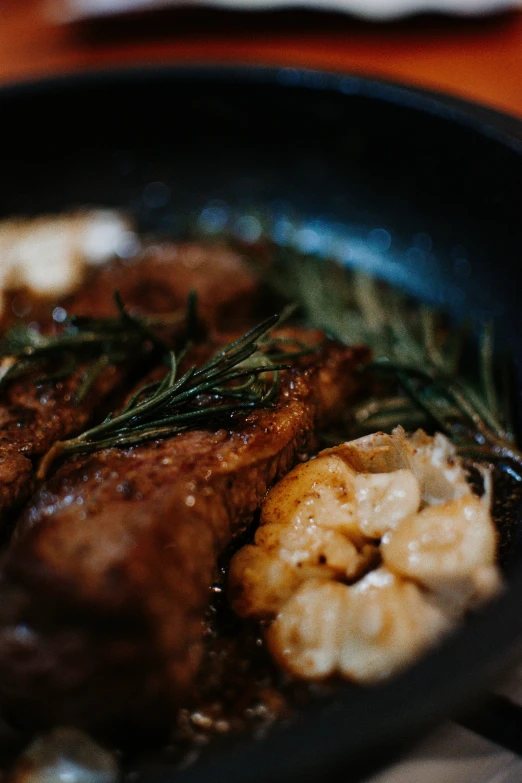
x,y
486,368
169,406
412,346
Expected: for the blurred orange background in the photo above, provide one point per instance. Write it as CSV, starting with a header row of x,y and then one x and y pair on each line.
x,y
476,58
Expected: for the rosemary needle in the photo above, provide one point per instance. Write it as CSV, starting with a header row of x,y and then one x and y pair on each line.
x,y
165,408
92,343
411,349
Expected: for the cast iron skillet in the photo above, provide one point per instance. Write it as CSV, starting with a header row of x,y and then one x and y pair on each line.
x,y
438,179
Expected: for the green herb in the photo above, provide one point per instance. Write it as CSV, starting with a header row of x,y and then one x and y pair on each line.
x,y
165,408
422,360
92,343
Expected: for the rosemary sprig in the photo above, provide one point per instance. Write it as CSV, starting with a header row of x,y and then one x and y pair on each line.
x,y
92,343
172,405
411,348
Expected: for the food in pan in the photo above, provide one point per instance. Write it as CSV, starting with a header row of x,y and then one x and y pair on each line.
x,y
143,427
366,556
114,556
48,254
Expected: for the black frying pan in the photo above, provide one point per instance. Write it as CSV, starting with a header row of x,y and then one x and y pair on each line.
x,y
425,190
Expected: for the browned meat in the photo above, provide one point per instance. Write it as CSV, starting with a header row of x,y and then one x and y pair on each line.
x,y
159,281
33,415
16,479
106,583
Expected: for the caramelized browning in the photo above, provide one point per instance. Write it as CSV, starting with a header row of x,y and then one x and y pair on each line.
x,y
35,413
106,583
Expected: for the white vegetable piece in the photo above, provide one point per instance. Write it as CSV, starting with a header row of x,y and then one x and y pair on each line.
x,y
449,549
307,636
66,755
47,258
365,632
383,499
366,556
260,582
48,254
389,623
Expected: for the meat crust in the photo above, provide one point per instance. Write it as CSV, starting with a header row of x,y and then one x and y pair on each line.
x,y
34,414
162,277
106,583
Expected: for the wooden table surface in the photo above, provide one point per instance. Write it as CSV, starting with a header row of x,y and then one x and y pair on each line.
x,y
479,59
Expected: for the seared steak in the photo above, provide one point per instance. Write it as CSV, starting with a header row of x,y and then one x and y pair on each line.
x,y
34,414
105,585
161,278
158,280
